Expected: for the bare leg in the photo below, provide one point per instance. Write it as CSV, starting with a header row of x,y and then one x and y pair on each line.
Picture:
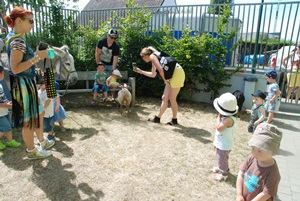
x,y
40,131
61,123
9,136
297,94
165,101
95,96
289,92
28,137
105,94
270,117
174,106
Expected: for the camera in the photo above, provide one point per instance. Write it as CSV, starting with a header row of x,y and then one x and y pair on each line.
x,y
134,66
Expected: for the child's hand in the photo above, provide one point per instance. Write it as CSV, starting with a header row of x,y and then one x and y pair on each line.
x,y
9,104
57,110
248,111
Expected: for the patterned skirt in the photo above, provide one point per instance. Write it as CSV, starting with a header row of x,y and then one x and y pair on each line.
x,y
25,112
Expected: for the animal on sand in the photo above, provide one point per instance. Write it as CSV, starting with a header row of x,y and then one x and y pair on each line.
x,y
124,98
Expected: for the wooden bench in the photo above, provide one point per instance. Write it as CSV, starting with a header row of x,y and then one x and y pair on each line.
x,y
88,76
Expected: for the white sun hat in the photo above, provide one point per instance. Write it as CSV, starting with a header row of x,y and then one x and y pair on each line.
x,y
117,72
226,104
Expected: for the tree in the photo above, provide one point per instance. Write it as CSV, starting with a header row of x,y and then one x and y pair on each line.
x,y
219,9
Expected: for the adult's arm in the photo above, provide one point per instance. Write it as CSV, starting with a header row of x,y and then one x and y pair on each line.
x,y
115,62
97,55
16,57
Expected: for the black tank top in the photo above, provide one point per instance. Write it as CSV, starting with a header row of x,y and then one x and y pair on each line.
x,y
167,62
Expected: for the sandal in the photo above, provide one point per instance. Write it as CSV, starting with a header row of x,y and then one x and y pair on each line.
x,y
215,170
221,177
155,119
173,122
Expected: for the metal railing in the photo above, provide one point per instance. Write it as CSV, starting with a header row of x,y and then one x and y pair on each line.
x,y
279,25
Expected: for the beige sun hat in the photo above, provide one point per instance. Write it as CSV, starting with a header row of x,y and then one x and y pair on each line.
x,y
266,137
117,72
226,104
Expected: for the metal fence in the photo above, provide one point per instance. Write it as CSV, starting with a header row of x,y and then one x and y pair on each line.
x,y
277,25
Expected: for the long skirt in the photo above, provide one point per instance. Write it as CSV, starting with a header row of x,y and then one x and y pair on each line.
x,y
25,111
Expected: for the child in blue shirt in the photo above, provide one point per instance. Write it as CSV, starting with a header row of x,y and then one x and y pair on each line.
x,y
100,83
5,122
273,98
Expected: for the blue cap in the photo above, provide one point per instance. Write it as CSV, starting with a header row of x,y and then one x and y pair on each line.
x,y
272,74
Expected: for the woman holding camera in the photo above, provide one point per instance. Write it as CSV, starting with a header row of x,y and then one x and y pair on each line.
x,y
171,73
22,60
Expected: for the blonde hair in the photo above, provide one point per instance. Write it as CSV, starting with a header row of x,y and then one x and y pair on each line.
x,y
148,50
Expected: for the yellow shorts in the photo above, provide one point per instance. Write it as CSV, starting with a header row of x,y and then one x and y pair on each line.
x,y
177,80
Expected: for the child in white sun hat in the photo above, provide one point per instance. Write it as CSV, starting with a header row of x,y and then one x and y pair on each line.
x,y
227,107
112,82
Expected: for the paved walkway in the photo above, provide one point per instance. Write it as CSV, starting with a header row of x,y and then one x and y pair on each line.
x,y
289,158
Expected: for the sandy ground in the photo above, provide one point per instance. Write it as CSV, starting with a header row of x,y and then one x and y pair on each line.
x,y
106,156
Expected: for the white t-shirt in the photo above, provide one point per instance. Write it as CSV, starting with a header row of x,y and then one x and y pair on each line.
x,y
49,111
3,111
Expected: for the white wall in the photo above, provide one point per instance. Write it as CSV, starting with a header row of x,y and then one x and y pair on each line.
x,y
237,83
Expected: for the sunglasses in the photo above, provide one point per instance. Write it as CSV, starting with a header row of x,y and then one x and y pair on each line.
x,y
112,37
31,21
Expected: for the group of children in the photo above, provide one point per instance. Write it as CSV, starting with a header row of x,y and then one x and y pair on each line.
x,y
104,82
51,111
259,176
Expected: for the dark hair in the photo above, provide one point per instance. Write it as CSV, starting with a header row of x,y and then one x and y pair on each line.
x,y
100,64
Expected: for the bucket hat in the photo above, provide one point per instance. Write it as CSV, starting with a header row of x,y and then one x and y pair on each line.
x,y
117,72
260,94
266,137
226,104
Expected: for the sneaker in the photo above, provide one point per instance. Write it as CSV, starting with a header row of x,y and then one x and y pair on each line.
x,y
51,137
2,146
38,153
46,144
13,143
93,102
62,129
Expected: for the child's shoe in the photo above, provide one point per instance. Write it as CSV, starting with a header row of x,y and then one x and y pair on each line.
x,y
221,177
51,137
13,143
46,144
2,146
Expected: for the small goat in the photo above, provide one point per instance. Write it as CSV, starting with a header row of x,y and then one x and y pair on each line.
x,y
124,98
